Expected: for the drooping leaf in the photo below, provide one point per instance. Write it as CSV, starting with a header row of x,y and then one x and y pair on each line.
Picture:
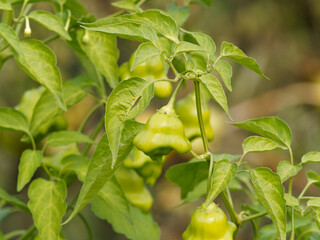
x,y
121,106
291,200
259,144
234,53
10,36
145,52
269,127
187,47
50,21
188,175
111,204
47,206
270,192
179,14
46,109
205,41
39,62
286,170
5,5
224,69
311,157
29,163
13,200
127,30
100,167
102,50
12,119
158,21
126,4
63,138
313,178
223,173
215,89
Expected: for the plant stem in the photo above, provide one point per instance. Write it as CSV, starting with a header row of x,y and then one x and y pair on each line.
x,y
209,181
85,222
254,216
304,190
174,95
32,141
239,162
14,234
290,192
93,136
292,224
200,117
50,39
28,233
227,203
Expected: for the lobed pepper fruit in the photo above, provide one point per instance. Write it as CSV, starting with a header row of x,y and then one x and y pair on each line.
x,y
162,133
134,189
153,69
209,223
144,166
186,110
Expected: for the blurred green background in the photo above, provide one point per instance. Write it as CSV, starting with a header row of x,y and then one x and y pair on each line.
x,y
283,36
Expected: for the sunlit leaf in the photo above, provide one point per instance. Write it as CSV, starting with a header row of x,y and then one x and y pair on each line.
x,y
50,21
291,200
5,5
187,47
63,138
12,119
145,52
126,4
259,144
29,163
286,170
10,36
225,71
313,178
234,53
269,127
311,157
314,202
47,206
270,192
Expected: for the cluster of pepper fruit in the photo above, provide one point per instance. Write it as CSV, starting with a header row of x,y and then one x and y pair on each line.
x,y
170,128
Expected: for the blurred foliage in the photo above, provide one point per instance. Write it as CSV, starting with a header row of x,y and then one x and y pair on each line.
x,y
283,36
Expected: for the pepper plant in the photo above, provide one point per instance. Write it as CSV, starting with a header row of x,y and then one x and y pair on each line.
x,y
121,159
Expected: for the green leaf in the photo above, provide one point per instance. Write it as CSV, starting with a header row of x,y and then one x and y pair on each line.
x,y
50,21
100,167
39,62
47,206
188,175
11,37
1,234
206,2
187,47
63,138
259,144
269,127
29,163
158,21
111,204
5,5
12,119
179,14
46,109
126,5
236,54
311,157
314,202
313,178
13,200
286,170
224,69
145,52
121,107
215,89
102,50
223,173
225,156
205,41
316,215
291,200
270,192
127,30
198,191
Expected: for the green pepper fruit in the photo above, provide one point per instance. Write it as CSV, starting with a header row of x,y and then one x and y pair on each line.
x,y
186,110
134,188
162,133
209,223
144,166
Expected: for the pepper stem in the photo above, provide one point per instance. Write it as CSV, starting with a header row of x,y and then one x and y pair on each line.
x,y
174,95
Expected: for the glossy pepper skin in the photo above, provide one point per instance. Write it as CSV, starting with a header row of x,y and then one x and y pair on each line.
x,y
209,223
134,189
186,110
162,133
